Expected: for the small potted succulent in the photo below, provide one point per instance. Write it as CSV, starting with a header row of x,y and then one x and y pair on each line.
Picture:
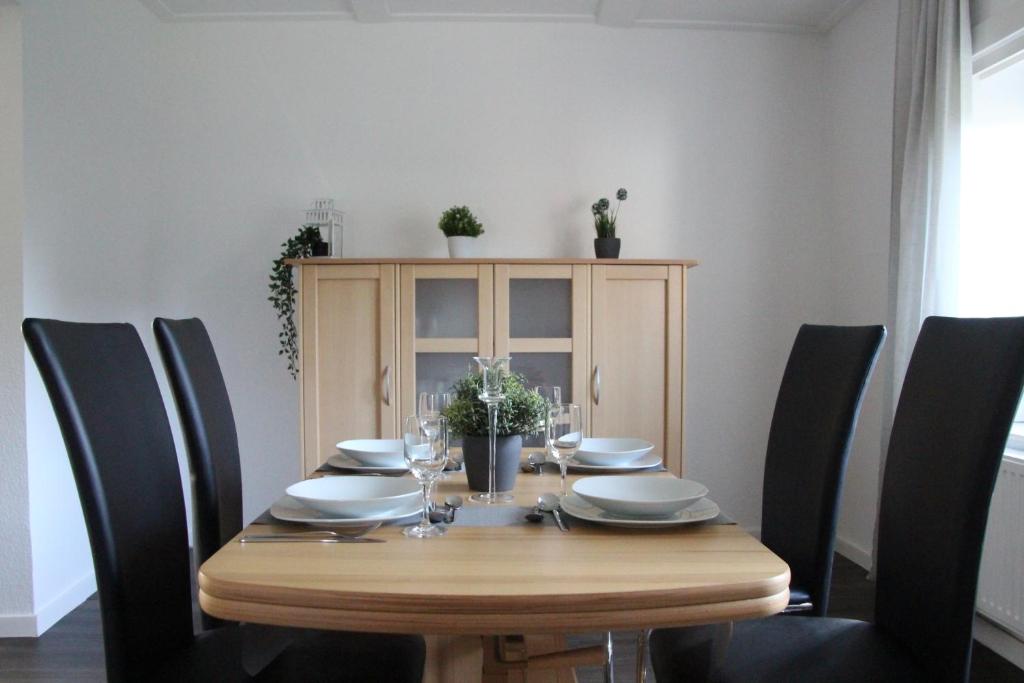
x,y
519,414
606,244
461,228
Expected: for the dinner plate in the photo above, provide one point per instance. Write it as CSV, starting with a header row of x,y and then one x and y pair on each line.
x,y
631,496
357,496
341,461
701,511
374,452
612,452
287,509
646,462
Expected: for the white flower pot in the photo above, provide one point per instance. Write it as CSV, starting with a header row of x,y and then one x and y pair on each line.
x,y
462,247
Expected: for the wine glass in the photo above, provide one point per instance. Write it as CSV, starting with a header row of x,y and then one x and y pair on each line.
x,y
494,370
552,396
564,434
433,404
421,441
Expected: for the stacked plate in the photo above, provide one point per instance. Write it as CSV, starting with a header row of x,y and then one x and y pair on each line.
x,y
349,501
632,501
597,455
383,456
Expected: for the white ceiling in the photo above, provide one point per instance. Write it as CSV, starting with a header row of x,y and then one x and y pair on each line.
x,y
807,16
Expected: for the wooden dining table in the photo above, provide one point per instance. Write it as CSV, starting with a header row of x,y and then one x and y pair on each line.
x,y
528,579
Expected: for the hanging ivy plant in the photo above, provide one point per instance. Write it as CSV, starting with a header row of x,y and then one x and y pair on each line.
x,y
282,292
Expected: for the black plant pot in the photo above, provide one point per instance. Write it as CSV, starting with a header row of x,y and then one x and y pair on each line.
x,y
476,453
607,247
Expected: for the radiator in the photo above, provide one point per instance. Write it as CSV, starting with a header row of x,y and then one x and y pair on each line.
x,y
1001,580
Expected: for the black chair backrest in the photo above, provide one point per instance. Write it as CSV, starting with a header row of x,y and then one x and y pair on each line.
x,y
949,432
115,428
808,445
208,425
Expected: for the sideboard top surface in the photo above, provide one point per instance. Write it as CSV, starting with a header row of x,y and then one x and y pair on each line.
x,y
328,261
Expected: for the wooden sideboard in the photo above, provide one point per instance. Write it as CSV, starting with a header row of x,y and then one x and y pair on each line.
x,y
376,332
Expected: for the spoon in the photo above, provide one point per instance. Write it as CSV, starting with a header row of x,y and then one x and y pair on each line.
x,y
451,504
548,502
535,516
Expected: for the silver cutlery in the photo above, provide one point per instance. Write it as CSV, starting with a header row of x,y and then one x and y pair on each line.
x,y
357,535
535,463
293,538
548,502
451,504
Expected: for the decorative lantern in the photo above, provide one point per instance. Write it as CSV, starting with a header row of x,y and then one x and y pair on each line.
x,y
329,220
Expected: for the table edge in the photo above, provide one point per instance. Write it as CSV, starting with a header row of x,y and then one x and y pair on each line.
x,y
492,622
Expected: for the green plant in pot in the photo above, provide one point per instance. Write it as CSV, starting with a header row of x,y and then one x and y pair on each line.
x,y
519,414
606,244
461,228
307,242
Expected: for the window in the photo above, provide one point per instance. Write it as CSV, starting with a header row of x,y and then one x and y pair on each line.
x,y
991,277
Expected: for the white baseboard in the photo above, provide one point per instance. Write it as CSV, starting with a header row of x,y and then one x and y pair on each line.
x,y
999,641
854,552
34,625
17,626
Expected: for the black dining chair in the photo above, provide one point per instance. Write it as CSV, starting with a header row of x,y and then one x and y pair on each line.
x,y
115,428
809,443
208,426
954,414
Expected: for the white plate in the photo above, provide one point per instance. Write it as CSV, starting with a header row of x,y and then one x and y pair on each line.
x,y
374,452
701,511
630,496
343,462
355,496
287,509
612,452
646,462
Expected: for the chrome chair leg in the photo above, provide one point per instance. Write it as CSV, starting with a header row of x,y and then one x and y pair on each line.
x,y
642,639
609,667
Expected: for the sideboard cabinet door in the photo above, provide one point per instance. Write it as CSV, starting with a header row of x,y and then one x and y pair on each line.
x,y
348,357
636,369
446,317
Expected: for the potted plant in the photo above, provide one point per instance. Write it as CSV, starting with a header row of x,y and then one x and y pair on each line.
x,y
519,414
461,228
606,244
307,242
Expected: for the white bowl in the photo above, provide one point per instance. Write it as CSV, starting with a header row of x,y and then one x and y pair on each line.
x,y
374,452
612,452
355,496
636,496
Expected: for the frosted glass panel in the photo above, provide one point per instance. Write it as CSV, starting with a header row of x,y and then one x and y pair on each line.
x,y
439,371
540,308
446,308
545,368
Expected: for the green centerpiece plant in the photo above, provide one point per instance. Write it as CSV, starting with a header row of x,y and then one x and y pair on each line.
x,y
520,413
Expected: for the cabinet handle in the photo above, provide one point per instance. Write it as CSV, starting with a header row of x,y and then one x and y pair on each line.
x,y
596,390
386,385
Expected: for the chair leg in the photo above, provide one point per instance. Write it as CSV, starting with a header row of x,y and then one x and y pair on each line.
x,y
642,639
609,666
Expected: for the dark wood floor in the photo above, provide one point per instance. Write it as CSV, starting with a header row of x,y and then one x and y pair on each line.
x,y
73,649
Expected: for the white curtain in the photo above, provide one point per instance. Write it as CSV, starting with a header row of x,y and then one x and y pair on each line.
x,y
932,87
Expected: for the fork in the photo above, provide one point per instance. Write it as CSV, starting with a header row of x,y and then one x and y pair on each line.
x,y
317,536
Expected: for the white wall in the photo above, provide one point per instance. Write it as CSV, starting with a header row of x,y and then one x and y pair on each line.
x,y
165,163
16,558
861,60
